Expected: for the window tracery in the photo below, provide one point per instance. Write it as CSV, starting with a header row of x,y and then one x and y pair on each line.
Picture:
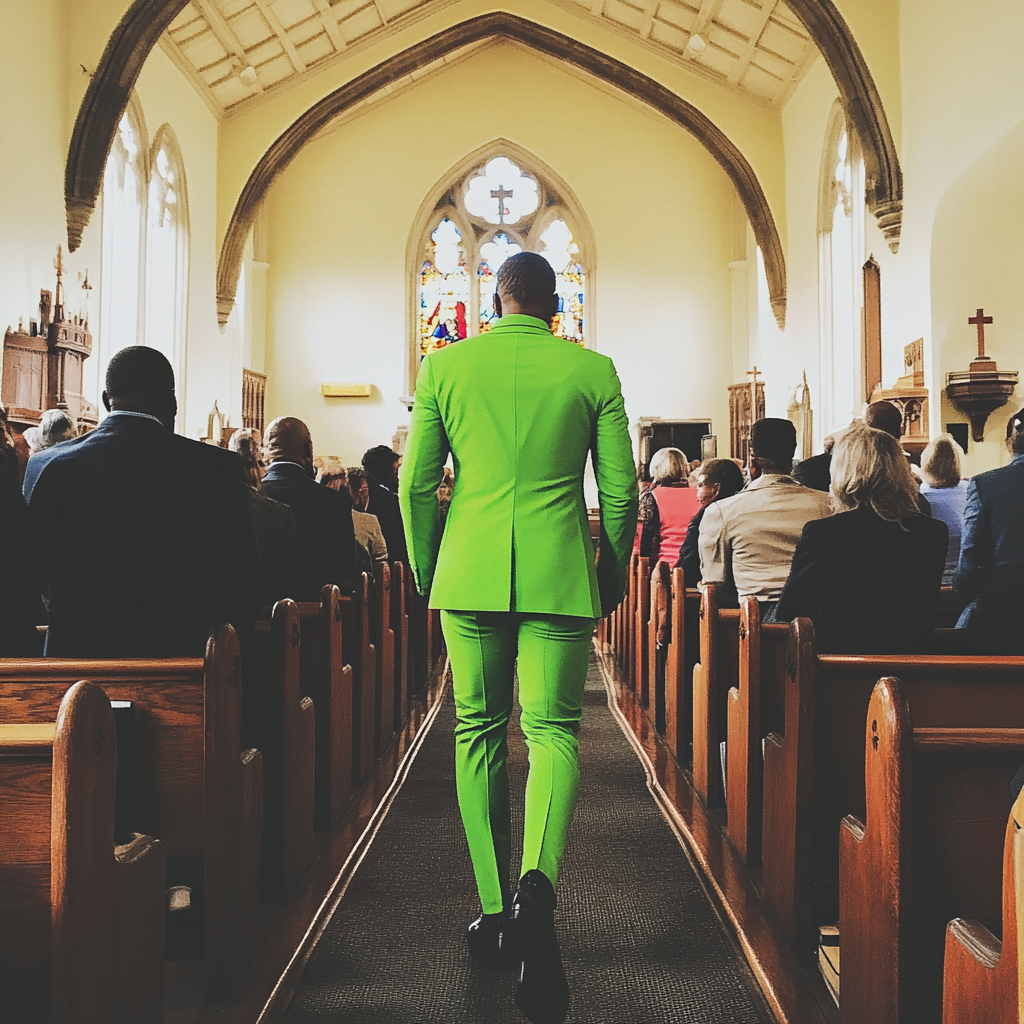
x,y
497,209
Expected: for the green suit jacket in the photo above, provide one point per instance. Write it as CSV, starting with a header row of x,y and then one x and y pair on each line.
x,y
519,410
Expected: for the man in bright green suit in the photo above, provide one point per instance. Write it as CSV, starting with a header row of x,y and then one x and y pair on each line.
x,y
514,575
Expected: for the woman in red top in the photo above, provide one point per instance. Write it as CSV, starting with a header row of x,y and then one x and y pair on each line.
x,y
667,508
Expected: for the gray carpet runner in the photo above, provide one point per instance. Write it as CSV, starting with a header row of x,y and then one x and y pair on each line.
x,y
640,939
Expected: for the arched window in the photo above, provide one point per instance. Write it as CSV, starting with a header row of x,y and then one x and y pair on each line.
x,y
489,212
167,251
841,256
124,201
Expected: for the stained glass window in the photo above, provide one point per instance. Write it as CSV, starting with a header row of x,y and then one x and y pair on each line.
x,y
562,252
444,289
498,209
492,255
166,265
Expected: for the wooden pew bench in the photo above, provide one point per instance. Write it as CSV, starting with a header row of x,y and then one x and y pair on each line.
x,y
982,974
383,638
203,793
930,850
359,652
82,922
814,767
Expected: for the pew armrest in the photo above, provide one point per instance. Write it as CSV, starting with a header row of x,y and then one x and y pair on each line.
x,y
975,940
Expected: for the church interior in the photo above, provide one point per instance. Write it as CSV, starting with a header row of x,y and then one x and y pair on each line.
x,y
756,208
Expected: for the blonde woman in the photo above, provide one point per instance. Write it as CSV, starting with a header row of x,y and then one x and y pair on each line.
x,y
869,575
667,507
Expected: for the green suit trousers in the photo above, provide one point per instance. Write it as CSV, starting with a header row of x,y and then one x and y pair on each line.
x,y
550,654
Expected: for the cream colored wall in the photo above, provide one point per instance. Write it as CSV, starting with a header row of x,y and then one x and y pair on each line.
x,y
340,218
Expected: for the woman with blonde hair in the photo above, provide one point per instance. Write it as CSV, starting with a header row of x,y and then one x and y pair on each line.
x,y
946,494
667,507
869,575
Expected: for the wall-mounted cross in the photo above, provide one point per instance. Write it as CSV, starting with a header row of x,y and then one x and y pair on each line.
x,y
501,194
979,321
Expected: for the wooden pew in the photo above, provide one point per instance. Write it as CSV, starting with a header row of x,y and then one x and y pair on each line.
x,y
659,633
981,974
682,610
814,769
400,628
359,652
929,850
383,637
713,676
203,792
642,651
327,680
82,929
282,723
754,710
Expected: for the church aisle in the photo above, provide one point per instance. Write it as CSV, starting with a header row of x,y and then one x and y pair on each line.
x,y
640,939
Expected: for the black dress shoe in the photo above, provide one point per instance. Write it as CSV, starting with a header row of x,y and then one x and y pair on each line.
x,y
543,992
484,938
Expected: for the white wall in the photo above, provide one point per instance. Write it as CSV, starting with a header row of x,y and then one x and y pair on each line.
x,y
339,228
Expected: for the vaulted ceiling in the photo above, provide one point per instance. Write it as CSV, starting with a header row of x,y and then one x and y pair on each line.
x,y
757,47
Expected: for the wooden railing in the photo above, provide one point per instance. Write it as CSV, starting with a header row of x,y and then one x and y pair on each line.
x,y
254,389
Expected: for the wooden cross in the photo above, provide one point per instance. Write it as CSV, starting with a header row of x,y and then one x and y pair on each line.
x,y
979,321
501,194
755,371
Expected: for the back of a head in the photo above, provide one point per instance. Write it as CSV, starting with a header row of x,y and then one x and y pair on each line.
x,y
725,473
1015,433
527,279
56,426
246,444
669,464
869,468
884,416
379,462
940,462
773,444
141,379
287,438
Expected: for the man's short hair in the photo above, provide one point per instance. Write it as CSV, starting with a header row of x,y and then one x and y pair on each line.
x,y
526,278
380,461
139,371
725,473
885,416
773,440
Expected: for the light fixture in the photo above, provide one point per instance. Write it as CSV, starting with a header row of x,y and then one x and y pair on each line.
x,y
696,44
247,76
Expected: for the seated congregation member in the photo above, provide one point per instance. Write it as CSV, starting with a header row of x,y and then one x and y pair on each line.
x,y
946,494
667,507
716,479
868,577
750,537
143,536
369,539
323,516
816,472
335,477
21,608
992,553
381,465
55,427
272,522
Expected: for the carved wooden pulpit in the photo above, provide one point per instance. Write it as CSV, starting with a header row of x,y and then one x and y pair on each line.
x,y
910,396
746,406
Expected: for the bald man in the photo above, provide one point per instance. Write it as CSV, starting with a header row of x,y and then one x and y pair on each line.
x,y
323,516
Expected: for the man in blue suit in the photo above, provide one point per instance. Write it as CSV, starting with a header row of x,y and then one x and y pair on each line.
x,y
143,535
992,553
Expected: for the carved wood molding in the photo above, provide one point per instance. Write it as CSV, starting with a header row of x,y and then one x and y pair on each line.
x,y
864,110
103,104
545,40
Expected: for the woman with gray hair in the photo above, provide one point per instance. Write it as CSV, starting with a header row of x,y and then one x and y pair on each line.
x,y
666,507
55,427
868,576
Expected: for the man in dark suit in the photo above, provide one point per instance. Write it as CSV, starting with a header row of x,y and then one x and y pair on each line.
x,y
143,535
323,516
816,472
992,553
21,609
381,465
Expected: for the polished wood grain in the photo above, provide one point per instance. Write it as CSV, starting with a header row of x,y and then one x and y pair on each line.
x,y
930,849
384,641
641,631
361,654
77,912
400,628
658,636
982,974
26,740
